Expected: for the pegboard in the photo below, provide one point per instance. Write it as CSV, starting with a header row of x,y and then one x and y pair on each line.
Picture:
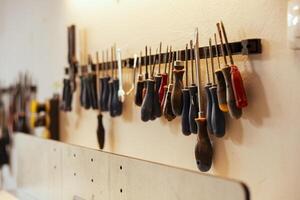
x,y
50,170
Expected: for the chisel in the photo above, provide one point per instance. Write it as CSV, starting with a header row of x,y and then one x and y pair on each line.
x,y
203,149
234,111
236,78
138,97
156,103
92,82
164,81
193,90
100,85
217,116
105,87
111,85
185,123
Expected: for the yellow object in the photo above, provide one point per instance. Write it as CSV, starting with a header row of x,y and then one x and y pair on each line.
x,y
46,134
223,107
33,106
32,120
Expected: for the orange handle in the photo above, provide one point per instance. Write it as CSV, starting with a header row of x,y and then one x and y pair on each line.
x,y
238,88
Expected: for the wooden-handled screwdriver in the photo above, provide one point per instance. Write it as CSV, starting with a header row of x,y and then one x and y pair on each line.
x,y
236,78
167,79
208,96
203,149
234,111
221,84
193,90
138,97
217,116
164,81
185,123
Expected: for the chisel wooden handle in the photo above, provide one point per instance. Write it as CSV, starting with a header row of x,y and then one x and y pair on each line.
x,y
167,110
138,98
162,90
147,105
176,96
185,122
156,104
100,132
105,94
117,104
194,108
238,87
234,111
203,149
217,116
208,108
221,91
110,98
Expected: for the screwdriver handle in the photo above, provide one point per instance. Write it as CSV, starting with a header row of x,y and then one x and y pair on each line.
x,y
185,122
162,104
100,132
238,88
100,92
93,90
147,106
208,108
221,91
156,103
68,95
234,111
116,103
138,98
105,94
110,98
194,108
176,96
163,83
167,110
217,116
203,149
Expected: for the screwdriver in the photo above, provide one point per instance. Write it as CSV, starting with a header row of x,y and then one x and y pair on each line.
x,y
221,86
111,86
208,96
164,81
167,109
203,149
236,78
176,96
234,111
156,103
217,116
100,80
193,90
92,82
158,77
138,98
185,123
105,89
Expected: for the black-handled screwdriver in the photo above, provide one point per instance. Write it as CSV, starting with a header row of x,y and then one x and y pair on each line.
x,y
217,116
203,149
105,87
138,97
185,123
156,103
165,81
100,80
193,90
208,96
111,86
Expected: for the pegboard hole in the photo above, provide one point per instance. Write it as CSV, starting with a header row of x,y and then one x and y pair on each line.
x,y
121,190
92,180
121,167
74,174
74,155
92,159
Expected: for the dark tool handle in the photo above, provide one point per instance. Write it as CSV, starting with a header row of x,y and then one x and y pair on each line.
x,y
147,105
217,116
162,90
81,97
138,98
100,92
68,95
234,111
91,90
208,108
194,108
162,104
156,103
105,94
185,122
116,103
238,88
176,96
221,91
167,110
63,104
110,97
22,124
86,94
203,149
100,132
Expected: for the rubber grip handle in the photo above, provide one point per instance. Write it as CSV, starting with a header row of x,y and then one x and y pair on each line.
x,y
203,149
105,94
194,108
208,108
156,104
147,105
116,103
93,85
176,96
138,98
234,111
217,116
162,90
100,92
221,91
167,110
81,91
185,122
238,88
100,132
110,98
68,95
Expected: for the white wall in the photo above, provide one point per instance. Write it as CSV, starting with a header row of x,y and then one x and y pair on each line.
x,y
260,149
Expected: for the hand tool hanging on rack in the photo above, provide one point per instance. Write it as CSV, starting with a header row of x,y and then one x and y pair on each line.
x,y
104,92
236,78
72,56
164,79
100,127
217,116
4,139
138,97
91,84
158,77
157,112
207,94
111,86
176,96
185,123
67,94
167,110
121,92
234,111
133,75
221,84
203,149
193,90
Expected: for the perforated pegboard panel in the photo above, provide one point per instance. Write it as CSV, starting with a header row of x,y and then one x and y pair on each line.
x,y
52,170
